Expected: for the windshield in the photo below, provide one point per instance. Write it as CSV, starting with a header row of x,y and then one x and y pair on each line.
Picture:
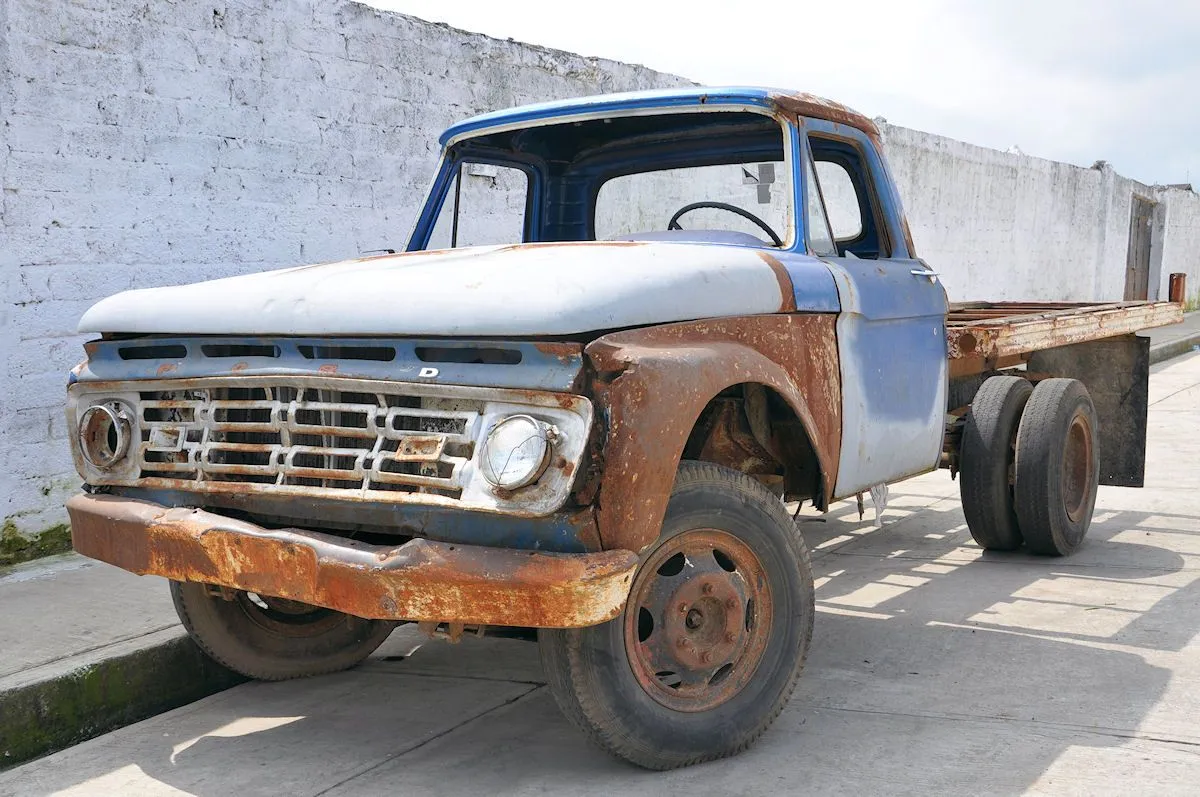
x,y
719,176
697,199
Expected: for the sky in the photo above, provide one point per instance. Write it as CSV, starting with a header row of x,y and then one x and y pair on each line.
x,y
1068,80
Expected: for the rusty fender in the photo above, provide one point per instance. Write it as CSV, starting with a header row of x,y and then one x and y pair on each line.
x,y
420,580
653,384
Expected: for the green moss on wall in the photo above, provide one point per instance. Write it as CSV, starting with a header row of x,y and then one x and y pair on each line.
x,y
17,547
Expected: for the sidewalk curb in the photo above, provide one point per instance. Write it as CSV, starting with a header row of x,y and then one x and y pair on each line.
x,y
1166,351
46,716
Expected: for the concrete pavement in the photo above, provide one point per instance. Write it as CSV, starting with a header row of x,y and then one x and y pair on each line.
x,y
935,668
1177,339
88,648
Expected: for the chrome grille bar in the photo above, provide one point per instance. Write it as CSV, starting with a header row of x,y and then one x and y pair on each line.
x,y
305,436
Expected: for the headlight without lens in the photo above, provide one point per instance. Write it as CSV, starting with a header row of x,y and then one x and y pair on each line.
x,y
516,451
104,434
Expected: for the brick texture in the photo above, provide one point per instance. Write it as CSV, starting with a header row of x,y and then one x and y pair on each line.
x,y
151,143
155,143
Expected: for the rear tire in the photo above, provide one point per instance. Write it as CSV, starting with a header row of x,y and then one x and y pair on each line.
x,y
986,478
1058,467
271,639
713,636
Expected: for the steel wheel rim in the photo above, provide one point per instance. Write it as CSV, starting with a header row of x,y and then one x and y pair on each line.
x,y
1077,468
697,620
287,618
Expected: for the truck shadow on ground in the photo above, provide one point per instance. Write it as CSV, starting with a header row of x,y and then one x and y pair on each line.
x,y
934,668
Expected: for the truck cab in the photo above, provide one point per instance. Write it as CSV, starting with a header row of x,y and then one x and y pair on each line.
x,y
625,334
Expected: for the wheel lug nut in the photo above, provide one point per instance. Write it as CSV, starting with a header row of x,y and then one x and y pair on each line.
x,y
731,603
730,636
707,589
682,608
706,657
681,642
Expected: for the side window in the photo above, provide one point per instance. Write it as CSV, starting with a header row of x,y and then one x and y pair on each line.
x,y
820,239
851,206
484,205
841,200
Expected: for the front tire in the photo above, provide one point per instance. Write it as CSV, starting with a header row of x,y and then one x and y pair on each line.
x,y
272,639
713,636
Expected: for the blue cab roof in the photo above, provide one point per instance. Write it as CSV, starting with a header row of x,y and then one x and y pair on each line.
x,y
660,98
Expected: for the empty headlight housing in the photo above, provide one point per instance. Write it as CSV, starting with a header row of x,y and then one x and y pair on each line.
x,y
105,431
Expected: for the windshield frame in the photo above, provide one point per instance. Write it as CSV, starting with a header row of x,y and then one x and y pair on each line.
x,y
457,151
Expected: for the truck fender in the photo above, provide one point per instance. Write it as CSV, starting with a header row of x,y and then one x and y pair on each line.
x,y
652,384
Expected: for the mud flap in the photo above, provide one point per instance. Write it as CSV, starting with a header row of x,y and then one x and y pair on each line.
x,y
1116,372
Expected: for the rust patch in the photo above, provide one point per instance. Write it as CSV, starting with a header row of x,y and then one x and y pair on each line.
x,y
420,580
554,244
328,368
166,368
239,367
1177,288
565,353
730,440
983,335
804,104
666,375
787,291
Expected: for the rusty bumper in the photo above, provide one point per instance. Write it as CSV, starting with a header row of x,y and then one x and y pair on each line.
x,y
419,580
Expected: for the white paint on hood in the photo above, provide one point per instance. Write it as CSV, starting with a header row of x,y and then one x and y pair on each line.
x,y
535,289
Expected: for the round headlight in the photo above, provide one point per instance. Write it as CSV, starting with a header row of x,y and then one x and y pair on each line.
x,y
515,452
104,433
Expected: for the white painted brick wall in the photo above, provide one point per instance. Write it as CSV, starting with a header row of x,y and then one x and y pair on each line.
x,y
154,143
146,143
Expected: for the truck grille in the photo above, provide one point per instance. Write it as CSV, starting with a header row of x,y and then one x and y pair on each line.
x,y
320,438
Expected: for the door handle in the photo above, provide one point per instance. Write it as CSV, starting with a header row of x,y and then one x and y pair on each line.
x,y
924,272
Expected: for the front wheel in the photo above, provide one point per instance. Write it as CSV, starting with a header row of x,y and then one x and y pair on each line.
x,y
272,639
713,636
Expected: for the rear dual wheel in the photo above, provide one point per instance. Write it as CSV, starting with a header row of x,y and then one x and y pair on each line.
x,y
1030,465
1057,467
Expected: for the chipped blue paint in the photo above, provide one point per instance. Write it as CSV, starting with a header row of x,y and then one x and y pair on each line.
x,y
812,283
621,103
892,347
535,371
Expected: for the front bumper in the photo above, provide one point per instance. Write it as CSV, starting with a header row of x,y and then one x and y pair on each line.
x,y
420,580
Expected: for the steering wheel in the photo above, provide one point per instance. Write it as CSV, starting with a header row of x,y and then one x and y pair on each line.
x,y
673,224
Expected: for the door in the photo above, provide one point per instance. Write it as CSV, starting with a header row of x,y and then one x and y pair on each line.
x,y
1137,269
892,327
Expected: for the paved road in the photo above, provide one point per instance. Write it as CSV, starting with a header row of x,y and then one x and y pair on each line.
x,y
935,669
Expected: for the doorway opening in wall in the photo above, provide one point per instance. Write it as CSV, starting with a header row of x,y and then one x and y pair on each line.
x,y
1137,265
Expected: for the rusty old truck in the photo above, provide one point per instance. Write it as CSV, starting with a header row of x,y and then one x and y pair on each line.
x,y
628,336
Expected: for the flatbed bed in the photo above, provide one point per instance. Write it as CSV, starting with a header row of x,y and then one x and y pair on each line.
x,y
985,336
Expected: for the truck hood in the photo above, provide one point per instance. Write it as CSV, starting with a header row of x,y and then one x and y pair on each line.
x,y
522,290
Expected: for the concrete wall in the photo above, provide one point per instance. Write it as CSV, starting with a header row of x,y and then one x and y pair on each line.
x,y
157,142
1009,226
153,143
1179,226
